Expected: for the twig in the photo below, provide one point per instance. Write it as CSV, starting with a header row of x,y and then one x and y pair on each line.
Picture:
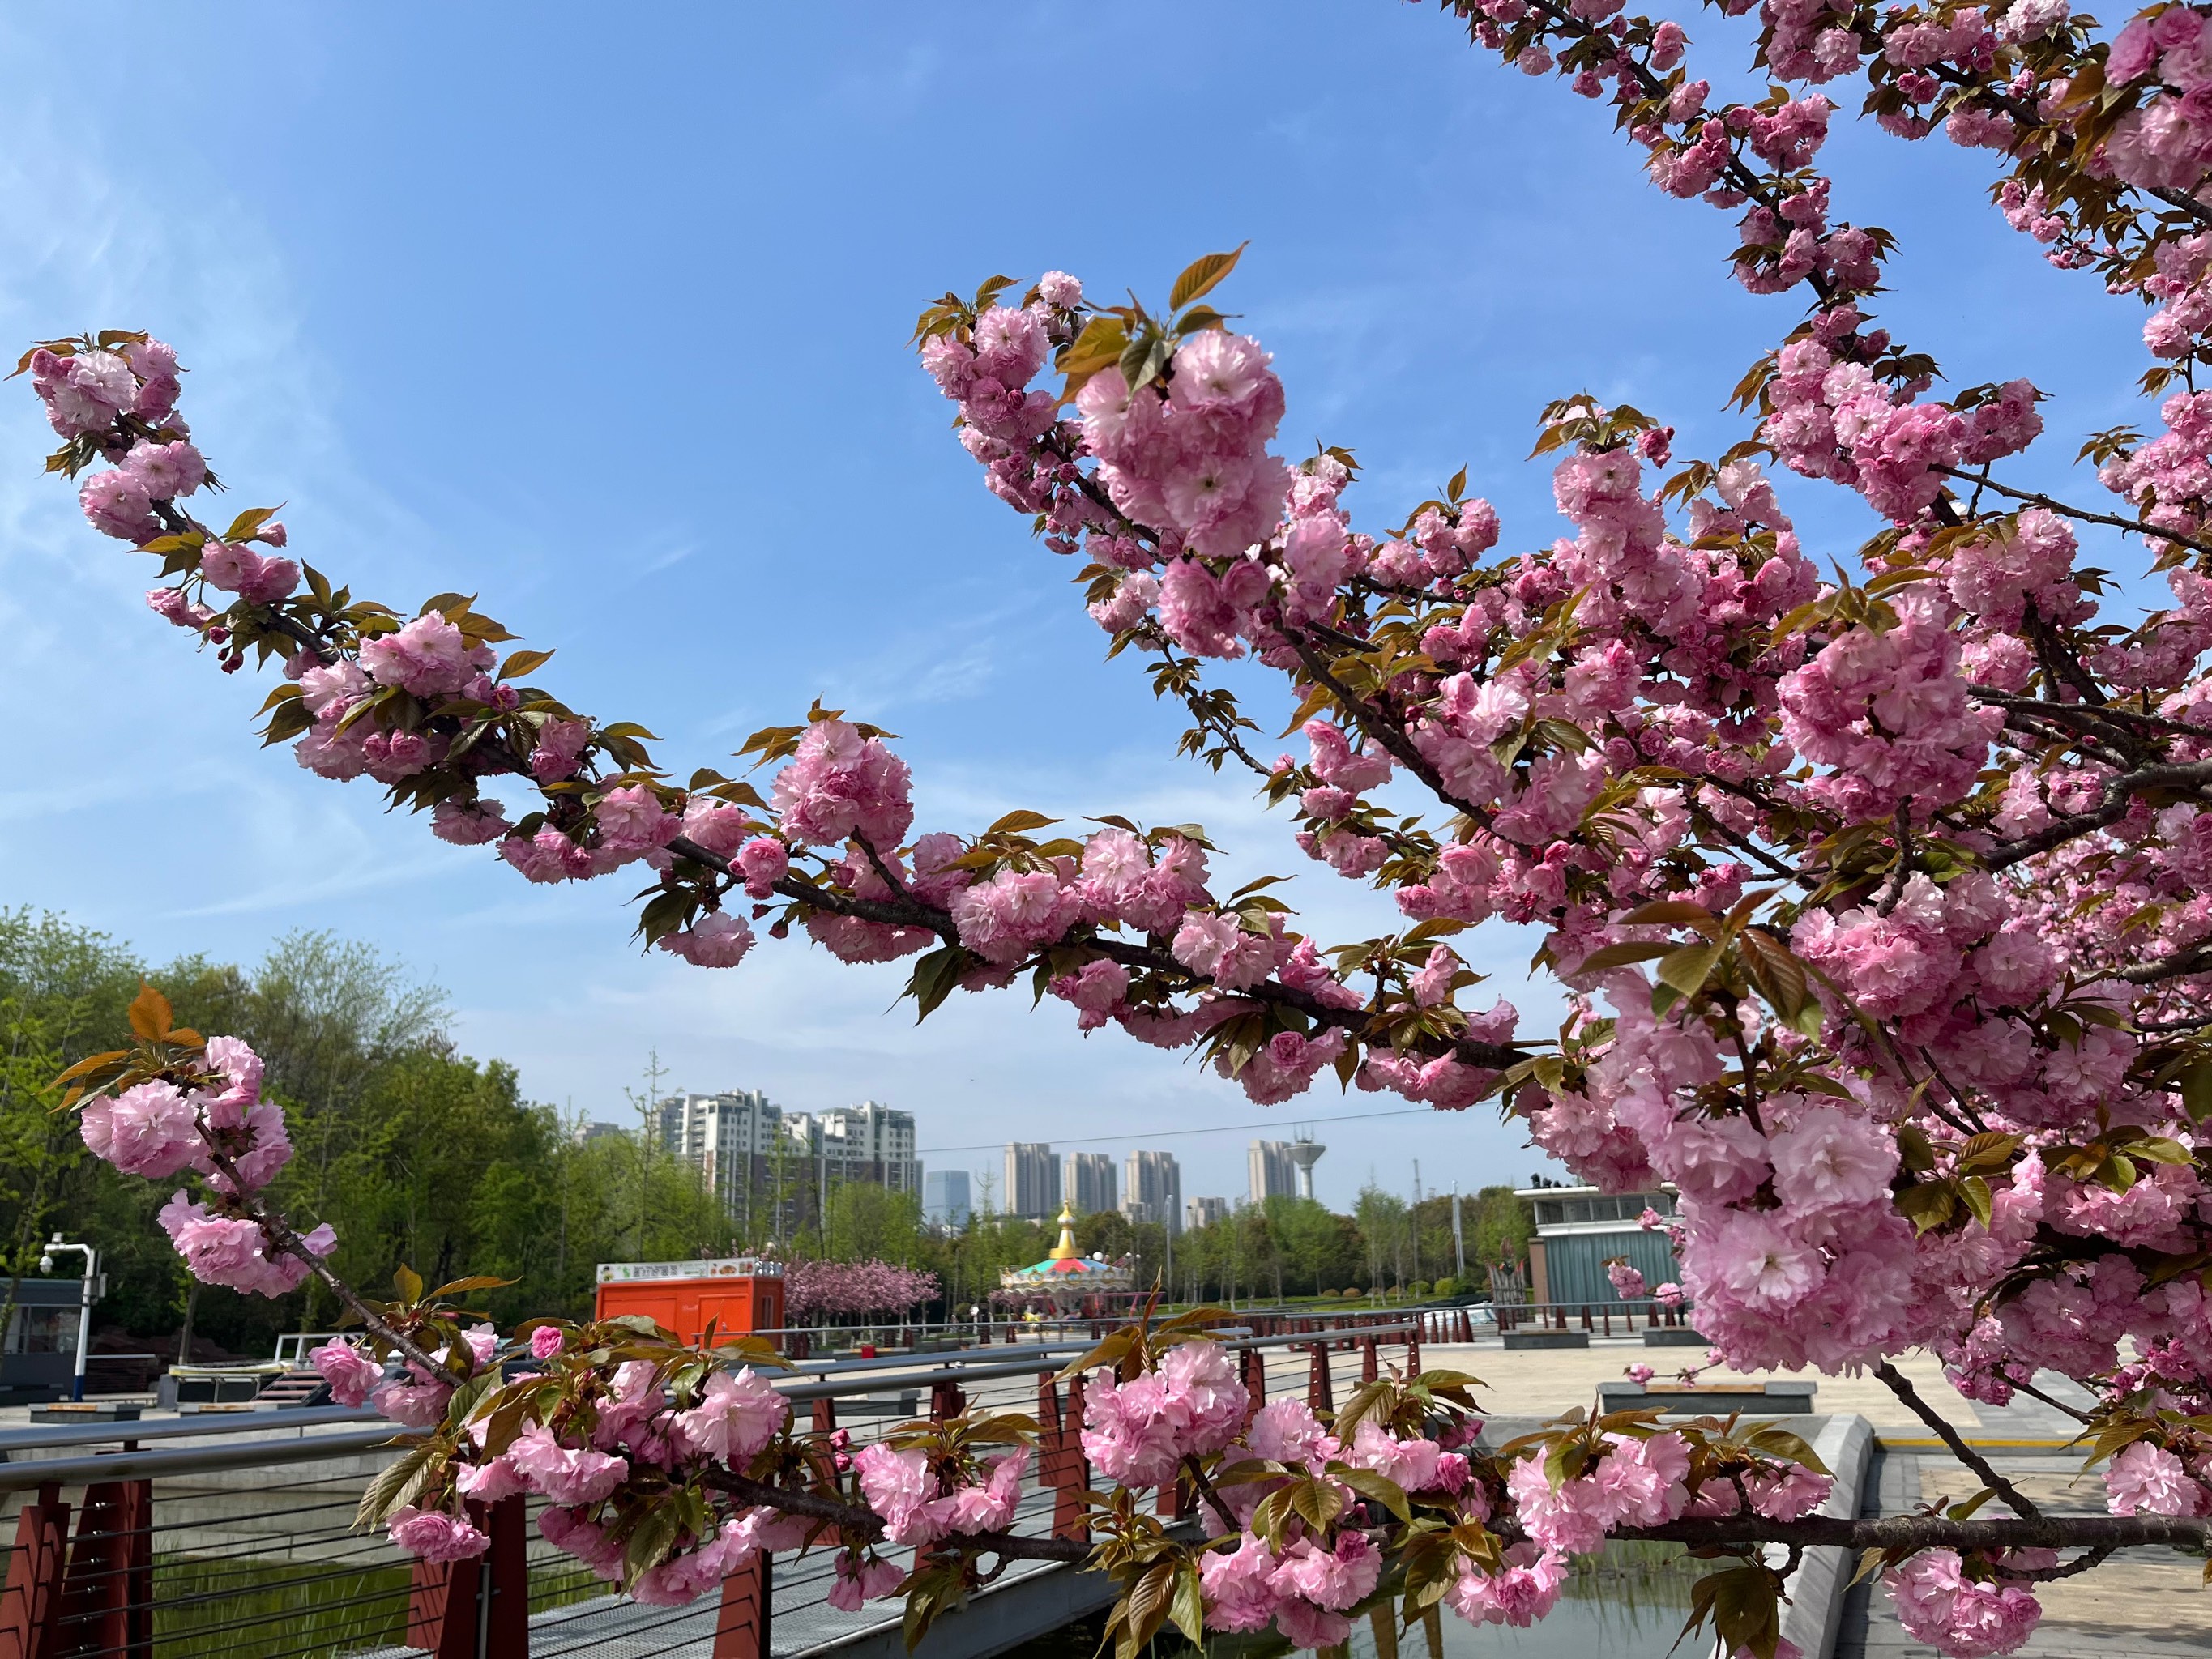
x,y
1982,481
1380,727
2030,1389
866,1523
1206,1489
1895,1382
2095,1557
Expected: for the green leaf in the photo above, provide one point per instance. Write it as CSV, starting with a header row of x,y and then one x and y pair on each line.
x,y
1200,277
1189,1609
395,1485
1380,1487
1143,359
933,978
1976,1193
2196,1090
1780,1442
243,526
1687,968
1620,955
1019,821
408,1283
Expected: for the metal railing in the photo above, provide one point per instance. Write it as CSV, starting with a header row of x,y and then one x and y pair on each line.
x,y
1598,1318
233,1540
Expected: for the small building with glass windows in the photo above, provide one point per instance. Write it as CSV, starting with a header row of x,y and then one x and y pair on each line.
x,y
1580,1229
38,1350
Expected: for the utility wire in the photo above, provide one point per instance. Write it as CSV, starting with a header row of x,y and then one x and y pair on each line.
x,y
1163,1134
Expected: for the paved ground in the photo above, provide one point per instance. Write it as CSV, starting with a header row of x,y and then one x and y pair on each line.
x,y
2141,1603
1544,1383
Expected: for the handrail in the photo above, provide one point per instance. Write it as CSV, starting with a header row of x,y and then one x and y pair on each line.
x,y
799,1388
194,1460
100,1434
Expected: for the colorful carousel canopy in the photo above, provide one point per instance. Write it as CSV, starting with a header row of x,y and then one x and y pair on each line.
x,y
1067,1271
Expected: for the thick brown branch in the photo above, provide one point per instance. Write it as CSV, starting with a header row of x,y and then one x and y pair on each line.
x,y
2197,959
912,913
2119,795
1933,1532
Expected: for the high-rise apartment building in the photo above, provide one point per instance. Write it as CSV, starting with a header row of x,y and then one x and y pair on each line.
x,y
1032,1180
1151,1190
868,1143
1089,1183
1205,1212
729,1137
1275,1172
945,1198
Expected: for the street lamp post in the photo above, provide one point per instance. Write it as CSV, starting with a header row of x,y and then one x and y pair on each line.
x,y
84,1302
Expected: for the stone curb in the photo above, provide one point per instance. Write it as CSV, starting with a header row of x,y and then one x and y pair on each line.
x,y
1814,1619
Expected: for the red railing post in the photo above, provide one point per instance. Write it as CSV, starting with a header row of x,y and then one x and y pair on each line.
x,y
31,1604
741,1626
507,1624
825,1416
1369,1366
108,1590
441,1608
1253,1364
1319,1397
451,1602
1061,1461
1414,1352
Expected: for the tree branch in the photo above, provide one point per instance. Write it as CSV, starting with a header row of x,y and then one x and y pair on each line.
x,y
1933,1532
2120,796
866,1523
1982,481
1379,726
2015,1499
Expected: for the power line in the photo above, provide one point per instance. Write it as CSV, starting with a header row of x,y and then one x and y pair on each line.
x,y
1163,1134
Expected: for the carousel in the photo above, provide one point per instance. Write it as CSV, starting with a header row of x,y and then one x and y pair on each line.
x,y
1068,1282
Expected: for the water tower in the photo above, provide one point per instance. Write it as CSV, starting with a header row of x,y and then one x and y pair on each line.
x,y
1305,1152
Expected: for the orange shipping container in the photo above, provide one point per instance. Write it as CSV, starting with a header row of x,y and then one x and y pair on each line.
x,y
738,1295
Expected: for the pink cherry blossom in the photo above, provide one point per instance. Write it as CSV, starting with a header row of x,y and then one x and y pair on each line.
x,y
736,1416
428,656
433,1535
350,1373
151,1130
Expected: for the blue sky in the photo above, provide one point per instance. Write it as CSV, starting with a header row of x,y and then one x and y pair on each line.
x,y
602,314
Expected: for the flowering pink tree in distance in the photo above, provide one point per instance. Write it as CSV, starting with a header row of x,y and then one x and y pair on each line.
x,y
827,1289
1880,901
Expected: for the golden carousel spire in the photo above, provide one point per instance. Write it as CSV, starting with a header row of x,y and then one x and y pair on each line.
x,y
1065,1249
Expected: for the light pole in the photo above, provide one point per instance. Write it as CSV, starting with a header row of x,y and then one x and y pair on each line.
x,y
84,1303
1459,1240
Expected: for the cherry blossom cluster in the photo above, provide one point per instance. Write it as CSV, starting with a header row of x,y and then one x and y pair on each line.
x,y
178,1102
